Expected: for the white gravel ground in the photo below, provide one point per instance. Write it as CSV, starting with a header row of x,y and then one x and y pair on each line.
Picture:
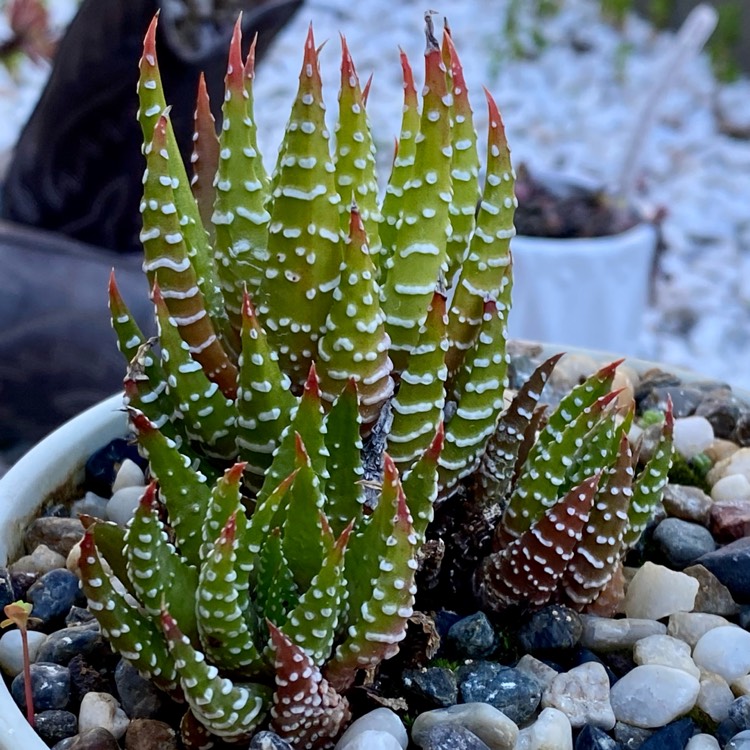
x,y
570,105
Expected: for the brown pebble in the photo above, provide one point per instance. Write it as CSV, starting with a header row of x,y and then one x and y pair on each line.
x,y
59,534
721,449
687,503
97,738
149,734
713,596
730,520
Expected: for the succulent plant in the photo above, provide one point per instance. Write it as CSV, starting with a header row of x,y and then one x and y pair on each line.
x,y
330,367
286,324
560,506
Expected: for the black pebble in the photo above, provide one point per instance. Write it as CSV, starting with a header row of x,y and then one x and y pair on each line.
x,y
140,698
53,726
553,628
674,736
593,738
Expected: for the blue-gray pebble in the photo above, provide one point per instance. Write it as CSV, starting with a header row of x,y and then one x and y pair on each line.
x,y
509,690
50,687
433,687
674,736
593,738
62,645
682,542
452,737
140,698
740,741
472,637
54,594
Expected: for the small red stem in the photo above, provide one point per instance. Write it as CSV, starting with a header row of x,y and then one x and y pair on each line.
x,y
27,677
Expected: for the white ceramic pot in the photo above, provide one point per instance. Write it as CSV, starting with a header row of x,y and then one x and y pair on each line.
x,y
52,464
589,292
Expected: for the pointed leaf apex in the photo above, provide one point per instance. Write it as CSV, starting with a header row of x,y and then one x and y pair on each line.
x,y
407,71
390,472
140,421
669,414
250,60
112,286
609,370
248,308
496,121
234,473
149,41
235,67
156,296
608,398
343,539
348,71
88,544
169,626
366,90
312,384
310,61
148,498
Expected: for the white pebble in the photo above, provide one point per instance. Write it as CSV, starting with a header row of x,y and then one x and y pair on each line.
x,y
73,557
715,696
606,634
102,710
551,731
11,650
541,672
371,739
657,592
692,626
128,475
381,719
737,463
653,695
725,651
123,503
582,694
731,487
493,727
702,742
90,505
741,686
692,435
666,650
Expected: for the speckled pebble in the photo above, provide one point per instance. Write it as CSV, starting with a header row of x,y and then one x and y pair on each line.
x,y
53,726
93,739
688,503
448,737
740,741
382,719
511,691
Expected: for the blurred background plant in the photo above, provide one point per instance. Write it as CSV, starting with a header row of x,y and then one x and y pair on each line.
x,y
28,32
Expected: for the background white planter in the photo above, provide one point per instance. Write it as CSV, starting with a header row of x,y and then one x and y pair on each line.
x,y
54,463
588,292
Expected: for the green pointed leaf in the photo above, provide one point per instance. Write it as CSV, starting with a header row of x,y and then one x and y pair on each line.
x,y
276,592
